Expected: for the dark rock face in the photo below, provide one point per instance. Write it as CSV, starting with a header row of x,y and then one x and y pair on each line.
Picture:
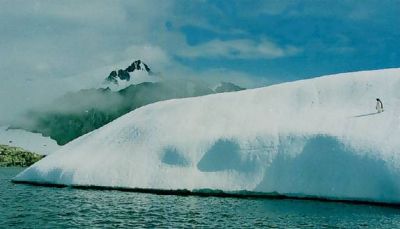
x,y
136,65
123,74
112,77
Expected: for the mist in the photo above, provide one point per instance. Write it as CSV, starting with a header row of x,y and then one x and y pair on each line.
x,y
19,96
49,49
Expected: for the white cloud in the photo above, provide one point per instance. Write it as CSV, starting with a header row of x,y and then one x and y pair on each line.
x,y
149,54
50,47
239,49
216,75
89,12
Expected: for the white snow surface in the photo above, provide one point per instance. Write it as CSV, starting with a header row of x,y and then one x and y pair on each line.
x,y
33,142
319,137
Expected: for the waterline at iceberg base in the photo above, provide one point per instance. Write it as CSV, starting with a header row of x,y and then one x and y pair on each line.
x,y
318,138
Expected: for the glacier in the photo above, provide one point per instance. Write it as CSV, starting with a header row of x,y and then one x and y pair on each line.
x,y
27,140
317,137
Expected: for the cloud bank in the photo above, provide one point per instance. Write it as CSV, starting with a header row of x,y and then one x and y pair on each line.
x,y
239,49
50,47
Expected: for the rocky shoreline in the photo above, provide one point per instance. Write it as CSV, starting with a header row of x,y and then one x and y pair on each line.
x,y
15,156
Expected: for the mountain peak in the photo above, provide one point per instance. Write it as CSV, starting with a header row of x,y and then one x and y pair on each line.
x,y
137,71
138,65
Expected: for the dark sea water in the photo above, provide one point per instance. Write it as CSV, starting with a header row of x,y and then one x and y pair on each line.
x,y
25,206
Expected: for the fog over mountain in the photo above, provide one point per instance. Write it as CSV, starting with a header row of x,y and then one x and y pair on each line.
x,y
123,90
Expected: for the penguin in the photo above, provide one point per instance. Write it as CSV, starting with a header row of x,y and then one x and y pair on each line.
x,y
379,105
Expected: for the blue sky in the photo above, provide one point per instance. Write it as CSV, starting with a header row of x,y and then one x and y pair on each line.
x,y
61,44
329,36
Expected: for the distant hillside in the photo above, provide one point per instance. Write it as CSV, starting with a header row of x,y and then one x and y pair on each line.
x,y
227,87
126,89
15,156
78,113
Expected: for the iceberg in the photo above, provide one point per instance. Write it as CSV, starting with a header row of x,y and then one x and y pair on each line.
x,y
318,137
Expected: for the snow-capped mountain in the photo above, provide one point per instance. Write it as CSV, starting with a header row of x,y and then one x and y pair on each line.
x,y
137,72
319,138
77,113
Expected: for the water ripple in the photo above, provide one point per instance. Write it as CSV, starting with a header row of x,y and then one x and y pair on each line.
x,y
25,206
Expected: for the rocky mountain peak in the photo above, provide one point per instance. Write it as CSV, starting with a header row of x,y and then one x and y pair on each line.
x,y
138,65
116,76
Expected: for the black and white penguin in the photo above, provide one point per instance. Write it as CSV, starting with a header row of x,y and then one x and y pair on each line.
x,y
379,105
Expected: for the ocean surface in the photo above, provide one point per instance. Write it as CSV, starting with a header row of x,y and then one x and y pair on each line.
x,y
26,206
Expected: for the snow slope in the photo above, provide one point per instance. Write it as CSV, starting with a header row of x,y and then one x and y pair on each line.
x,y
318,137
33,142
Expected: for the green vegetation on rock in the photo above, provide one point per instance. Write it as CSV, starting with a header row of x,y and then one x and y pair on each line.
x,y
15,156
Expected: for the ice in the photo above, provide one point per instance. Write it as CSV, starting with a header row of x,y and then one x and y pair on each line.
x,y
319,137
34,142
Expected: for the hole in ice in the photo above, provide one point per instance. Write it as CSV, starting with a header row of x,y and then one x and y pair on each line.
x,y
225,155
173,157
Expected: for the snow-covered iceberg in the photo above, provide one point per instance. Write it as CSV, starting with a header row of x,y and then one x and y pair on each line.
x,y
319,137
